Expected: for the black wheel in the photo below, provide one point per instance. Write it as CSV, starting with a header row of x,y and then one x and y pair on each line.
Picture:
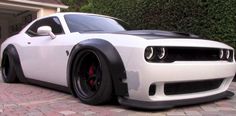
x,y
91,78
8,69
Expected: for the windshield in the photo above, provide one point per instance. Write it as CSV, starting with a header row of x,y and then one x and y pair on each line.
x,y
93,23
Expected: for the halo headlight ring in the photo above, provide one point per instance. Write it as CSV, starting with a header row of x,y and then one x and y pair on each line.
x,y
149,53
227,54
155,53
221,54
161,53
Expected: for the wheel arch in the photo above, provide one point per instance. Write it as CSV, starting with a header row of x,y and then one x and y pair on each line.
x,y
12,51
113,59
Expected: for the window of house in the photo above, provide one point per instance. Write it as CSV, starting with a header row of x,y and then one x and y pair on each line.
x,y
53,22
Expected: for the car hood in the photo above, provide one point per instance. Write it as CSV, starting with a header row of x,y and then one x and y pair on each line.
x,y
143,38
156,34
153,34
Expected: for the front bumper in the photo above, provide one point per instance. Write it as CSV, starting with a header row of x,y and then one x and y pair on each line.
x,y
173,103
147,80
159,74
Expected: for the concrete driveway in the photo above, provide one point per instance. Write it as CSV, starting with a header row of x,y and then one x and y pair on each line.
x,y
29,100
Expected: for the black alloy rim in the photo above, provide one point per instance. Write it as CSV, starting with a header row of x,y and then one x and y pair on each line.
x,y
89,75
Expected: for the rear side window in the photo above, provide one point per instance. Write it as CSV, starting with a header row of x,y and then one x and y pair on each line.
x,y
53,22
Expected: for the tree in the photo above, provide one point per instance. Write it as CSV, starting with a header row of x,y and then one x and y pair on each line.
x,y
213,19
74,5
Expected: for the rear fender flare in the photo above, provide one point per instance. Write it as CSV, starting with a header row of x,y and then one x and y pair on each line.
x,y
11,49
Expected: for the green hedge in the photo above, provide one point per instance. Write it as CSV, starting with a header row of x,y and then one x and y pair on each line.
x,y
74,5
213,19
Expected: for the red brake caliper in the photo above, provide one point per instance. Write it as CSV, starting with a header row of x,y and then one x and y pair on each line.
x,y
91,74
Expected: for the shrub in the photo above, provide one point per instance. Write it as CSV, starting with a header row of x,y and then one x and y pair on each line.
x,y
213,19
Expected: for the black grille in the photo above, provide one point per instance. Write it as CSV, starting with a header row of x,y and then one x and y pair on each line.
x,y
192,54
191,87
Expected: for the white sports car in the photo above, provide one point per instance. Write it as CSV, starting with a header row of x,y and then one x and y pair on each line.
x,y
96,57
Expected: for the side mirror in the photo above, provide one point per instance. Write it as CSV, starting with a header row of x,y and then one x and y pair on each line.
x,y
46,30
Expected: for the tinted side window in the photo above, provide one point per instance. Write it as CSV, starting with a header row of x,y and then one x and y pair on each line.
x,y
53,22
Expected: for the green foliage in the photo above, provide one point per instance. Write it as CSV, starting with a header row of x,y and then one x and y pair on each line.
x,y
214,19
74,5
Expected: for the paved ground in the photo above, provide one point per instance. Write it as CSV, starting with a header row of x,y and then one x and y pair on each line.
x,y
28,100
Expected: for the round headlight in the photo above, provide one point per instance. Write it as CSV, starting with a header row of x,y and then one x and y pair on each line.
x,y
221,54
161,53
149,53
227,54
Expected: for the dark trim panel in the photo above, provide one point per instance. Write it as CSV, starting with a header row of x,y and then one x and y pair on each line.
x,y
112,57
171,104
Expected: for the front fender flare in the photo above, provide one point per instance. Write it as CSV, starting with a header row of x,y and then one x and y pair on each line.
x,y
112,57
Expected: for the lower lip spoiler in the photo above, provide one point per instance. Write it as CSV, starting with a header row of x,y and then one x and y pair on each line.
x,y
170,104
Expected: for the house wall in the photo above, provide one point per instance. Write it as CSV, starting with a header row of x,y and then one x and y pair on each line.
x,y
48,11
45,11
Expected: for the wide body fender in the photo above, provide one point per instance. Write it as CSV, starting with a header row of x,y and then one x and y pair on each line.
x,y
112,58
16,59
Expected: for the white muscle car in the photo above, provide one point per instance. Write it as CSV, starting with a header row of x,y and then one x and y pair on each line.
x,y
97,57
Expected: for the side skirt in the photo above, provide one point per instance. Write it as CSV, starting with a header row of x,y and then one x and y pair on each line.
x,y
49,85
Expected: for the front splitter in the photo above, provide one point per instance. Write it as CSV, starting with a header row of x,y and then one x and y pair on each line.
x,y
173,103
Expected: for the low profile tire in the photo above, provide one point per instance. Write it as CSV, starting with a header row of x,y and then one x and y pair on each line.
x,y
8,69
91,78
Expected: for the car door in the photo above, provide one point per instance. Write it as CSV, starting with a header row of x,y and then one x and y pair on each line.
x,y
45,59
